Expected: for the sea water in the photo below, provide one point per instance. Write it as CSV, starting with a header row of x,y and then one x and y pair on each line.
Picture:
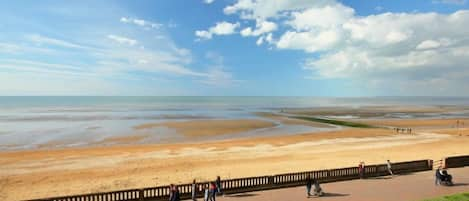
x,y
32,122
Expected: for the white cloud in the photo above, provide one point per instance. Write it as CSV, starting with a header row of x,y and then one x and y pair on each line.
x,y
309,41
122,40
262,27
398,47
217,74
428,44
203,34
456,2
208,1
140,22
224,28
329,16
264,9
38,39
397,43
220,28
269,38
260,40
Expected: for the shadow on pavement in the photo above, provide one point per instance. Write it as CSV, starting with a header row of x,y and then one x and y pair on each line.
x,y
460,184
377,178
242,195
334,195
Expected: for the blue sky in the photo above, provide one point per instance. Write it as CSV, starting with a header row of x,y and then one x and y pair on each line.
x,y
235,47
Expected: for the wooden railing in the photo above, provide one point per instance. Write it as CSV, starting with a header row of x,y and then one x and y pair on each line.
x,y
456,161
250,184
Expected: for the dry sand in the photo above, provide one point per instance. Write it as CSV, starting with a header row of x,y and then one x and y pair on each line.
x,y
44,173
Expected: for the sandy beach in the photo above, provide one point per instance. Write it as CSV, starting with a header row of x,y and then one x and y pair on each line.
x,y
56,172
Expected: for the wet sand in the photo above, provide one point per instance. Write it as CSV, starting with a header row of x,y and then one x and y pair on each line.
x,y
419,123
375,111
203,128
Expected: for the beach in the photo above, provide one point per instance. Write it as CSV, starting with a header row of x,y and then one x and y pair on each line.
x,y
63,147
127,164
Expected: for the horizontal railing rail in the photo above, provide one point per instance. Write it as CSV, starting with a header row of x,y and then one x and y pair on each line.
x,y
456,161
249,184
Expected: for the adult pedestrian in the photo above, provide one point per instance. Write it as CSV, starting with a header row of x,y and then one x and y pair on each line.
x,y
213,191
309,184
218,184
174,193
361,170
389,166
194,191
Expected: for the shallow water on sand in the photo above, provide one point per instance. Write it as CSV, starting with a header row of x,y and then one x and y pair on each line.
x,y
32,122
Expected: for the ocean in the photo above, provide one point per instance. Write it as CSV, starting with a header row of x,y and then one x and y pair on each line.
x,y
31,122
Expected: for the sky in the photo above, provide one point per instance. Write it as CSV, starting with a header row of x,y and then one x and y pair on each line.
x,y
235,47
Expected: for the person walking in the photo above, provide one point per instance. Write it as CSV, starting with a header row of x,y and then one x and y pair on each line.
x,y
174,193
213,191
361,170
317,188
206,193
218,184
388,164
309,184
194,191
438,176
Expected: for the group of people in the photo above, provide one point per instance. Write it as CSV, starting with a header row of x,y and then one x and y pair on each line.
x,y
442,177
403,130
210,191
317,188
214,188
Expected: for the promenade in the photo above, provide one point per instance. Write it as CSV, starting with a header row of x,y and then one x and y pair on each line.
x,y
411,187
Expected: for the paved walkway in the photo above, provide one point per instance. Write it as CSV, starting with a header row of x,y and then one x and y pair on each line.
x,y
412,187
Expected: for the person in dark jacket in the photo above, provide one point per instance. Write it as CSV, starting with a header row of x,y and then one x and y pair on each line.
x,y
218,184
438,176
309,184
174,193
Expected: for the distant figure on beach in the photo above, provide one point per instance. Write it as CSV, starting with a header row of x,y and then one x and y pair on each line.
x,y
218,184
309,184
361,170
194,191
212,191
388,163
174,193
317,188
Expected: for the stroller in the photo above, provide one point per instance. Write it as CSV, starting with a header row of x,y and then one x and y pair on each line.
x,y
444,178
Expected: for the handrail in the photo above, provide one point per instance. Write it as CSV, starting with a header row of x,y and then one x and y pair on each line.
x,y
456,161
249,184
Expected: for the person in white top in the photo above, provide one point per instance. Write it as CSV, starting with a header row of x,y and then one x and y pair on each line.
x,y
389,167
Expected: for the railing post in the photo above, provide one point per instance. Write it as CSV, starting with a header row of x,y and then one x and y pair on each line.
x,y
140,195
